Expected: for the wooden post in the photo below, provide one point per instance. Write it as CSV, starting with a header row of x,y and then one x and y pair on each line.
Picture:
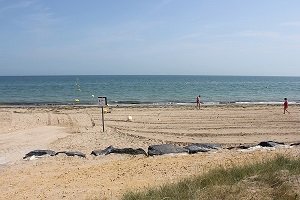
x,y
102,101
102,118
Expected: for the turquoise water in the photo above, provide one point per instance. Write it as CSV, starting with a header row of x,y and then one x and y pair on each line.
x,y
147,89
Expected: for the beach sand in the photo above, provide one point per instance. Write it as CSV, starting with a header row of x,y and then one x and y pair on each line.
x,y
59,128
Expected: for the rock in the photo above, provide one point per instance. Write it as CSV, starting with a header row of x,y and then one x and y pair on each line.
x,y
40,153
270,144
111,149
72,153
239,147
197,147
243,147
33,158
129,151
165,149
295,144
102,152
229,148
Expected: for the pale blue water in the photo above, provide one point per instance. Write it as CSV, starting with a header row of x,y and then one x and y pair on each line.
x,y
147,89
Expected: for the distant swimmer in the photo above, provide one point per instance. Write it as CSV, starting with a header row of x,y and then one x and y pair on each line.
x,y
198,102
285,106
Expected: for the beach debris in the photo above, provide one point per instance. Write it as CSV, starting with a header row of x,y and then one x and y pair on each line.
x,y
165,149
270,143
129,118
198,147
76,100
72,153
39,153
106,109
112,149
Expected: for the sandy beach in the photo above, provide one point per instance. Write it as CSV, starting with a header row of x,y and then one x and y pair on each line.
x,y
79,128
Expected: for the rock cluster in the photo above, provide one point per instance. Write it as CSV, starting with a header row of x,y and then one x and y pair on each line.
x,y
155,150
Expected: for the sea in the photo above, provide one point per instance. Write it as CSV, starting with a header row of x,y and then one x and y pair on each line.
x,y
147,89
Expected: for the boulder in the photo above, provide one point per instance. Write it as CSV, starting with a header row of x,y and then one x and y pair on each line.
x,y
111,149
198,147
243,147
239,147
270,144
72,153
295,144
165,149
102,152
129,151
40,153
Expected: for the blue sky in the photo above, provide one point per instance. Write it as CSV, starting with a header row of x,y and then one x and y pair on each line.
x,y
201,37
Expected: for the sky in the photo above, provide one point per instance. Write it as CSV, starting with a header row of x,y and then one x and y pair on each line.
x,y
150,37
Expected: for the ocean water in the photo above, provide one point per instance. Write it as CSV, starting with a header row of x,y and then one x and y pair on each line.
x,y
142,89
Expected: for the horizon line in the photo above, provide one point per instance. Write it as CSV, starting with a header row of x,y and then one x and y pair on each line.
x,y
148,75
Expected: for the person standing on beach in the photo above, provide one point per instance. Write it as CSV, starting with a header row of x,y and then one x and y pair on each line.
x,y
285,106
198,102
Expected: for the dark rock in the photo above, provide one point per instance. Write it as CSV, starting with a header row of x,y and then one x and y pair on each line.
x,y
197,147
239,147
229,148
129,151
165,149
270,144
111,149
295,144
40,153
243,147
102,152
72,153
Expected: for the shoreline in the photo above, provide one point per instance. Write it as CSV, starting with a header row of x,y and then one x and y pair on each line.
x,y
147,105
